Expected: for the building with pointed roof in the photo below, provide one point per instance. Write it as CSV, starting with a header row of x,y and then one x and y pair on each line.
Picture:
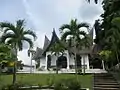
x,y
66,60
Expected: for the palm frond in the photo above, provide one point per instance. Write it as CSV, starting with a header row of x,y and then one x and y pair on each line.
x,y
29,32
82,33
83,25
7,26
20,45
57,48
64,35
65,26
29,41
11,41
6,36
20,24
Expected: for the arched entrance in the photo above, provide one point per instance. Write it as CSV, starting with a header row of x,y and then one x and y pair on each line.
x,y
62,62
96,63
48,61
78,59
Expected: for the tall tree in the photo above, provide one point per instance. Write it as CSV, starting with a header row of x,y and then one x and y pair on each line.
x,y
57,49
110,30
6,54
79,37
16,35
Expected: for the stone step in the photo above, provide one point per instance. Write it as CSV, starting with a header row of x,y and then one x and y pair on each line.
x,y
104,77
99,83
108,86
102,88
105,81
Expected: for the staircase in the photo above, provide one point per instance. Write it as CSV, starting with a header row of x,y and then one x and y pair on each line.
x,y
105,81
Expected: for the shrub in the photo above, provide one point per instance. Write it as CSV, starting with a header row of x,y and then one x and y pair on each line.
x,y
73,84
50,81
60,85
68,84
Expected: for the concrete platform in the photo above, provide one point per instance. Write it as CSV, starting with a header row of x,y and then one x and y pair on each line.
x,y
67,71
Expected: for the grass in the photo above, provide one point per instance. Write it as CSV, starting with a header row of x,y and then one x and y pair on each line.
x,y
42,79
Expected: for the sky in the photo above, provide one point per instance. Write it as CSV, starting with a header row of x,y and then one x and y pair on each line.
x,y
43,15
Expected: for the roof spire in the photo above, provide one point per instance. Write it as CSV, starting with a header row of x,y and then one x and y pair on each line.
x,y
46,42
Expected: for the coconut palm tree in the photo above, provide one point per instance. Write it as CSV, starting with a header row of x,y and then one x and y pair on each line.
x,y
16,35
79,38
57,49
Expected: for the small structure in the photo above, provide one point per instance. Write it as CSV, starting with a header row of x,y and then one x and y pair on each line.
x,y
66,61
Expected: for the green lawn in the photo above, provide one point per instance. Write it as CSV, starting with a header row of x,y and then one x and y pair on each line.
x,y
35,79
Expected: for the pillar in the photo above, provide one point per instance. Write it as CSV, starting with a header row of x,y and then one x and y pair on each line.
x,y
68,60
46,62
103,65
88,66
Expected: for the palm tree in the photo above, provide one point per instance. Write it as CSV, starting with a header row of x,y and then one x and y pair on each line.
x,y
57,49
16,35
73,29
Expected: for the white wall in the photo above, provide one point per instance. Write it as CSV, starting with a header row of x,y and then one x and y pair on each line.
x,y
72,62
85,57
42,62
70,59
53,60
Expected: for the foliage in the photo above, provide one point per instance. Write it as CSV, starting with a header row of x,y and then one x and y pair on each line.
x,y
6,53
32,79
6,57
108,36
59,85
105,54
57,48
68,84
78,39
16,34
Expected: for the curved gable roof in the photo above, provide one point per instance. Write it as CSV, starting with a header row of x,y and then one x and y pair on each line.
x,y
53,40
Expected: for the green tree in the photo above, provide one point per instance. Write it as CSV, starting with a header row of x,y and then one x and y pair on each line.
x,y
108,37
78,38
16,35
57,49
6,54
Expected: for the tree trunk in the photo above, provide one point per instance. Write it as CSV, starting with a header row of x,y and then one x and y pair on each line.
x,y
75,50
57,64
14,73
31,66
0,68
118,60
75,64
14,68
84,65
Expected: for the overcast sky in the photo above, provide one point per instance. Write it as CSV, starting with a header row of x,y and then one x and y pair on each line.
x,y
43,15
